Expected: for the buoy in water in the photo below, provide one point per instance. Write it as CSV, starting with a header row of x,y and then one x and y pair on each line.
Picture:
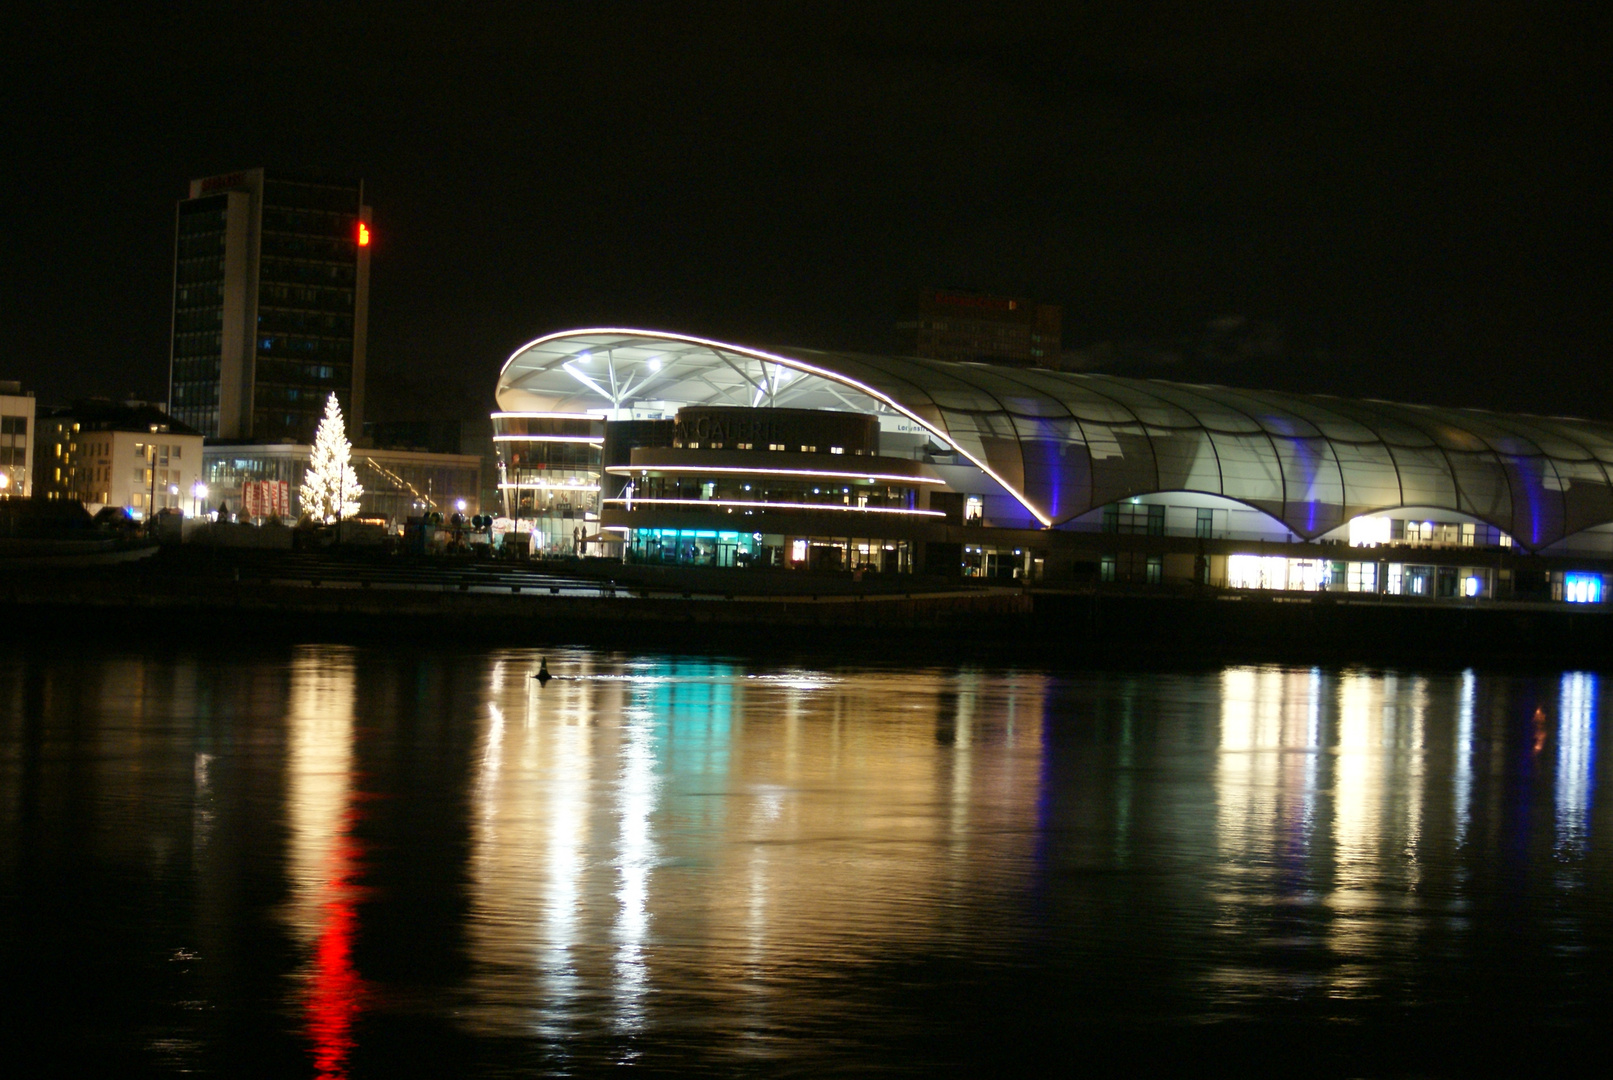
x,y
542,674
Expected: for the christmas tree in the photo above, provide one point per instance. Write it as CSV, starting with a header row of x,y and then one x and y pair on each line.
x,y
330,488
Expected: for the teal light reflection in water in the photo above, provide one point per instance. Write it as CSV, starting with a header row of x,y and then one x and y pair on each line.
x,y
689,828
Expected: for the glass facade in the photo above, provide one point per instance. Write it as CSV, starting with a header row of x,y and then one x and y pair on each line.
x,y
1410,580
397,485
269,304
198,341
550,469
307,278
14,439
696,491
730,548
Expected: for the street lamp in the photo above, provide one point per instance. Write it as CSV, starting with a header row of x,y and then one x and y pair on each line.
x,y
198,492
5,483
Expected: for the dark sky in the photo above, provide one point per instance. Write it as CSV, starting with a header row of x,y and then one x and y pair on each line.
x,y
1414,195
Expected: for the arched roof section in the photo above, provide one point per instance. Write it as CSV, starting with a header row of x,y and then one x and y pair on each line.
x,y
1065,443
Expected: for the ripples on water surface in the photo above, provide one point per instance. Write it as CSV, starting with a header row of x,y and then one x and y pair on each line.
x,y
341,862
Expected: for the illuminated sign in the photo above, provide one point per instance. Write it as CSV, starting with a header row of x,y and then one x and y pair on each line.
x,y
230,180
363,235
994,303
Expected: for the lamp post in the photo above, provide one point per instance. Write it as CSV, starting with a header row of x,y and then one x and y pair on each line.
x,y
198,492
5,483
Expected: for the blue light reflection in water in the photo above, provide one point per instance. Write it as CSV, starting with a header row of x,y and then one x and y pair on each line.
x,y
1576,759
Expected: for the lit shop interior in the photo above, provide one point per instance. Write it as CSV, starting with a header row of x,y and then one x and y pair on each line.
x,y
664,448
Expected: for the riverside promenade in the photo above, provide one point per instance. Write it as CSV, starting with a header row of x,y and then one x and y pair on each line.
x,y
190,593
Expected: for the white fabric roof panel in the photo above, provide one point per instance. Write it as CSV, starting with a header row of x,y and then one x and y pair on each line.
x,y
1066,443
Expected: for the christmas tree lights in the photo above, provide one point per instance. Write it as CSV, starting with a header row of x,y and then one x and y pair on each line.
x,y
330,489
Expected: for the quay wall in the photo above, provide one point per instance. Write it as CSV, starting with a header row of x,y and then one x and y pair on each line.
x,y
1090,626
348,607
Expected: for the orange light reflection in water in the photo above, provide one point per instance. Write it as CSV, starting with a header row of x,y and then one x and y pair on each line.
x,y
325,861
335,993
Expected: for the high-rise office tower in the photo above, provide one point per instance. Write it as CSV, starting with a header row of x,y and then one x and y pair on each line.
x,y
271,301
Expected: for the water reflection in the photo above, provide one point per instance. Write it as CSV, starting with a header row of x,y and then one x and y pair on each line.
x,y
323,861
694,862
1576,756
684,827
1462,767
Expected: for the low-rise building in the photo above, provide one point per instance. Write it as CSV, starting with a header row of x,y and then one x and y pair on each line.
x,y
398,484
132,455
16,440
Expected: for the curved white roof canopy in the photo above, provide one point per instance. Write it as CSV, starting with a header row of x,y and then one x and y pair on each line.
x,y
1066,443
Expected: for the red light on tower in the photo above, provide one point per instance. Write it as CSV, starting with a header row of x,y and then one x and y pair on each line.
x,y
363,235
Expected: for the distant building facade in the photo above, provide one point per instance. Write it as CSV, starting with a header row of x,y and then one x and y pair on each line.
x,y
441,436
270,304
398,484
981,328
16,441
131,455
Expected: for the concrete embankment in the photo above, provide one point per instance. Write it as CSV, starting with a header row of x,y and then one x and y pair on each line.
x,y
1216,625
302,598
346,608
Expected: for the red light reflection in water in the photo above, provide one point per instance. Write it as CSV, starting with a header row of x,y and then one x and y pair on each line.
x,y
335,992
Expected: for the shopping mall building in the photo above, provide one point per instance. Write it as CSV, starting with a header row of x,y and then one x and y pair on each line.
x,y
660,447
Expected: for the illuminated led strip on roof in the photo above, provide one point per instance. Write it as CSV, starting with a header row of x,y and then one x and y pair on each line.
x,y
780,506
595,439
942,437
629,470
547,416
562,486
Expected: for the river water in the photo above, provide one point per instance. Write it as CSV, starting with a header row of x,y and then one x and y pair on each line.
x,y
352,861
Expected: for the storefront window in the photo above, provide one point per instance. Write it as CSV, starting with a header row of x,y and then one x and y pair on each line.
x,y
1582,588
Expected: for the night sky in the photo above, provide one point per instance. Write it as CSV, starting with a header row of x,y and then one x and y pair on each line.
x,y
1402,200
